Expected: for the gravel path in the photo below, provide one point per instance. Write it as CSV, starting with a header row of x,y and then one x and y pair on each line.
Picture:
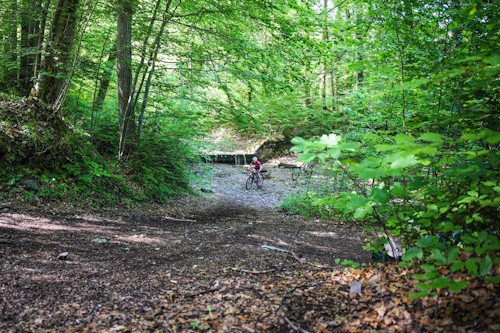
x,y
228,182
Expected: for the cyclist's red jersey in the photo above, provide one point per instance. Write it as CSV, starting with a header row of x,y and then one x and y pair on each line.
x,y
257,165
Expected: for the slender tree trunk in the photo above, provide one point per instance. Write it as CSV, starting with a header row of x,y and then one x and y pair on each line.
x,y
401,58
102,83
152,60
41,35
145,101
323,57
10,47
133,95
307,89
333,84
359,54
30,25
66,83
57,52
124,75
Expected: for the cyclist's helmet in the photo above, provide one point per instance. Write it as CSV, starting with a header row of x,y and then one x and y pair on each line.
x,y
254,159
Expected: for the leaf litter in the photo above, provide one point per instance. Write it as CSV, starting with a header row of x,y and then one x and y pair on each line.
x,y
149,276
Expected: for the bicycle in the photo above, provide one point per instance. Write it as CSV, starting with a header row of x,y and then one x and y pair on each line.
x,y
304,169
253,178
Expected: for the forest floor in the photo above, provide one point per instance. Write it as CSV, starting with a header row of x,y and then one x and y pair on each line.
x,y
227,261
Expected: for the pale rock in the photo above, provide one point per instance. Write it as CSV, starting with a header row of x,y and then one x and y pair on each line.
x,y
355,288
63,256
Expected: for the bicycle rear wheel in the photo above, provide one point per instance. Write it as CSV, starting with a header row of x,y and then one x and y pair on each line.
x,y
296,173
249,182
261,180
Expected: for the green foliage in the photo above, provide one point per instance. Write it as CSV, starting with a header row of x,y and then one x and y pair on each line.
x,y
305,205
161,167
438,193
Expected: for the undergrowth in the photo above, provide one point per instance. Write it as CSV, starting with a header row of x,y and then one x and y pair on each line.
x,y
68,165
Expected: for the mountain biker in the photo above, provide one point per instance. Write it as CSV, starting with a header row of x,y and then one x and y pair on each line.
x,y
257,167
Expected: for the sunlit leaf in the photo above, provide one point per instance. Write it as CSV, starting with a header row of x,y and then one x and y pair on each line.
x,y
404,162
431,137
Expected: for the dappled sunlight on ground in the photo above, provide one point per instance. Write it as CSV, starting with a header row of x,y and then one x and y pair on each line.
x,y
25,222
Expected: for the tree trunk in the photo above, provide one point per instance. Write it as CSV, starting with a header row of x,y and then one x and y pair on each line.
x,y
145,100
57,52
359,52
64,86
30,25
10,47
152,60
41,36
307,89
323,57
124,76
133,98
333,84
103,86
401,58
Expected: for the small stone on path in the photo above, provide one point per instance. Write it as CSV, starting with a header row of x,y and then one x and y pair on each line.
x,y
63,256
273,248
99,240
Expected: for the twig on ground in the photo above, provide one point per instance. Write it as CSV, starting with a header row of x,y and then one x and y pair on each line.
x,y
295,327
301,260
252,272
290,247
201,292
273,248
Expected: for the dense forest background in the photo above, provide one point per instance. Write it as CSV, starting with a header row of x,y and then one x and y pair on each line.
x,y
398,97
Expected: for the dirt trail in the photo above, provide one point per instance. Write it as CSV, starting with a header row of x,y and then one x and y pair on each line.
x,y
151,259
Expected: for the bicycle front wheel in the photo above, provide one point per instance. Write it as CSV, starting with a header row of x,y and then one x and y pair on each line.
x,y
296,173
249,182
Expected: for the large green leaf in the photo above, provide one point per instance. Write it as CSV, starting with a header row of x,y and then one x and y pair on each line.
x,y
457,265
452,254
361,212
402,139
380,195
306,157
412,253
440,282
485,266
421,294
431,137
403,161
456,286
426,241
438,256
471,265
